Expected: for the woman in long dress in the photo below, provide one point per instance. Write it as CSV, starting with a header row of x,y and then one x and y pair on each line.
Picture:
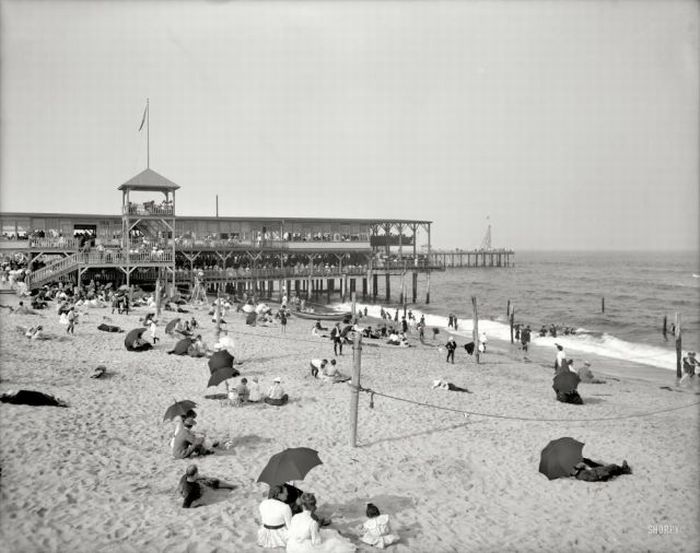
x,y
306,537
276,517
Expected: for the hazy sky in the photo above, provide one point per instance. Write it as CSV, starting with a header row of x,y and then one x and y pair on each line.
x,y
573,125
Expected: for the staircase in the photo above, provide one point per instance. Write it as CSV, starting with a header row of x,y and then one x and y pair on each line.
x,y
55,270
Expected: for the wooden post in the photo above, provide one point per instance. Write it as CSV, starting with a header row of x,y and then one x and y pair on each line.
x,y
475,330
602,304
679,352
508,312
217,312
354,305
664,329
427,291
512,323
415,287
157,298
355,394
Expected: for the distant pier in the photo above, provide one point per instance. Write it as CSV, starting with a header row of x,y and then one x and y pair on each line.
x,y
473,258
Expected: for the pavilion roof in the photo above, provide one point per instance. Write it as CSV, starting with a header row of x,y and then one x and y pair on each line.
x,y
149,180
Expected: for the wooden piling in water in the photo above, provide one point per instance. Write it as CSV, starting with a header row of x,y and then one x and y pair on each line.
x,y
679,350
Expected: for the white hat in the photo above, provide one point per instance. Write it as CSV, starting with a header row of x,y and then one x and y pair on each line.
x,y
277,379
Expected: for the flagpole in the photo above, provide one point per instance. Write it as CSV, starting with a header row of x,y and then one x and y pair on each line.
x,y
148,134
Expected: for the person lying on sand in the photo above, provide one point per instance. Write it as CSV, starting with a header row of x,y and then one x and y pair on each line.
x,y
444,385
591,471
191,486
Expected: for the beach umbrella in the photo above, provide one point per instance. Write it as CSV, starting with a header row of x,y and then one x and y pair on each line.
x,y
290,464
220,375
565,382
559,457
220,360
171,325
132,336
178,409
181,347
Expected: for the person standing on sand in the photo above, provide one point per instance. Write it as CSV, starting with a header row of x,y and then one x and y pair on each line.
x,y
283,322
72,321
525,337
560,358
450,346
337,338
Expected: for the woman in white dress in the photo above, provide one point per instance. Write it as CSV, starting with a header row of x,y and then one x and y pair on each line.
x,y
276,517
306,537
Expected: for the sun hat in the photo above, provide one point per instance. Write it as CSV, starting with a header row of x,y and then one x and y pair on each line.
x,y
277,379
189,422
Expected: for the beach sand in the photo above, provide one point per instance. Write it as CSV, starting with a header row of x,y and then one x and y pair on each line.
x,y
99,477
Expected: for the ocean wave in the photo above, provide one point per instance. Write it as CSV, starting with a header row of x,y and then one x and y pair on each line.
x,y
585,341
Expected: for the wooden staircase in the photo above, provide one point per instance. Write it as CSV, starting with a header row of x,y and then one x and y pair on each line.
x,y
55,270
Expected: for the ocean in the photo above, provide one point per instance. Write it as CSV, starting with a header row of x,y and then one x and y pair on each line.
x,y
566,289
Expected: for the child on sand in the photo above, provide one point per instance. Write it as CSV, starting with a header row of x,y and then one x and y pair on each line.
x,y
376,529
154,331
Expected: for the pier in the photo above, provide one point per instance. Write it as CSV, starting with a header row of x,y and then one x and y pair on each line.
x,y
473,258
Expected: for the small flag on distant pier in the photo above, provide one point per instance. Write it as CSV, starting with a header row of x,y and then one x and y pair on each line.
x,y
143,120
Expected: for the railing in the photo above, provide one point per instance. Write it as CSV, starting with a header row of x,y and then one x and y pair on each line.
x,y
146,210
185,243
53,243
271,274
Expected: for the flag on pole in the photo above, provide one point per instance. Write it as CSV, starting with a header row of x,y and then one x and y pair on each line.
x,y
143,120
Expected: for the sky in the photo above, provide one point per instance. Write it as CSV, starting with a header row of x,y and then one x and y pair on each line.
x,y
568,125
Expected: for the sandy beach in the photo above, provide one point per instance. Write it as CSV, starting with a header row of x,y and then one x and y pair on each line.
x,y
99,476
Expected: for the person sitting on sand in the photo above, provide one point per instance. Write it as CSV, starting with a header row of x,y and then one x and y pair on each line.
x,y
276,395
191,483
376,530
254,394
186,443
305,536
591,471
276,517
690,366
586,375
225,342
197,348
394,339
242,390
331,372
317,365
442,384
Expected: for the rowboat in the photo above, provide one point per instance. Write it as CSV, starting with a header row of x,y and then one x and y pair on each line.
x,y
326,316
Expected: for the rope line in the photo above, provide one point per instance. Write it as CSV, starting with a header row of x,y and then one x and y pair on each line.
x,y
512,417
